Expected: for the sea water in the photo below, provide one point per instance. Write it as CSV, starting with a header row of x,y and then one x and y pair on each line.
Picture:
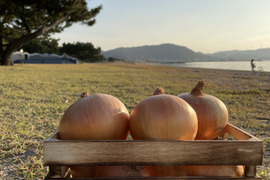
x,y
262,65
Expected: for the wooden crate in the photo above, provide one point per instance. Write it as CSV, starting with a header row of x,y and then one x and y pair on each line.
x,y
245,150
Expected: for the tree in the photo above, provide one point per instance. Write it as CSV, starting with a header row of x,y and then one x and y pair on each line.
x,y
85,52
42,45
22,21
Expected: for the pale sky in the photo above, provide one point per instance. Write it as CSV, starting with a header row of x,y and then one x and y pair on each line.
x,y
205,26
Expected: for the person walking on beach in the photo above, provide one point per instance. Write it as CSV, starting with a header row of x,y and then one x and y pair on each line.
x,y
252,65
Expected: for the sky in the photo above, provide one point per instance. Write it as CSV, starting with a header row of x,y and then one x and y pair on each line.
x,y
205,26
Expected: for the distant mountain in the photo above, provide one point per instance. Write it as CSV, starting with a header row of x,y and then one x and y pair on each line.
x,y
166,53
258,54
157,53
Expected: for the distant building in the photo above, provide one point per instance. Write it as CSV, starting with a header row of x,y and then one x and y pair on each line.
x,y
36,58
20,55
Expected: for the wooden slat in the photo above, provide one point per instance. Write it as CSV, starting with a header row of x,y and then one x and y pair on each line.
x,y
239,134
53,137
250,171
197,152
212,152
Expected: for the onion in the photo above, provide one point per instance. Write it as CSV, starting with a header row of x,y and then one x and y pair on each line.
x,y
175,171
211,112
163,117
231,171
82,171
84,94
158,91
167,170
94,117
120,171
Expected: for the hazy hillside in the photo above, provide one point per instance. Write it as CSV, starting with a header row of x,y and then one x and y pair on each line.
x,y
175,53
263,54
157,53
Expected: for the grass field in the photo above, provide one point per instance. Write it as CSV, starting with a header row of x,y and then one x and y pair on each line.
x,y
34,97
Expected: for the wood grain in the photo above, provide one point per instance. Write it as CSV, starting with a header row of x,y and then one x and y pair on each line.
x,y
246,150
214,152
239,134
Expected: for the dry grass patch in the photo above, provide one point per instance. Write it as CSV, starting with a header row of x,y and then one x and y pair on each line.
x,y
34,97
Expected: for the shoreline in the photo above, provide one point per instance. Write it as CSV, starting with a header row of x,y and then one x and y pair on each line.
x,y
219,65
214,69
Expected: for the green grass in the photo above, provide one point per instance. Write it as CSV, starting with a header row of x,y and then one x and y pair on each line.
x,y
34,97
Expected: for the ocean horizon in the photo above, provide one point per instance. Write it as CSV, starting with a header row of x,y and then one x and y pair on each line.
x,y
261,65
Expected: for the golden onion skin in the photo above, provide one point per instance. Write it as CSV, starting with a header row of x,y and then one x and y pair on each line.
x,y
211,112
167,170
120,171
95,117
163,117
226,171
176,171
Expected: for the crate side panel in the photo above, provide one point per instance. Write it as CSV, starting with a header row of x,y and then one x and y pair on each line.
x,y
153,152
239,134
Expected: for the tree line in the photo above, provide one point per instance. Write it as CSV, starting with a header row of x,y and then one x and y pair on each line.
x,y
23,21
85,52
